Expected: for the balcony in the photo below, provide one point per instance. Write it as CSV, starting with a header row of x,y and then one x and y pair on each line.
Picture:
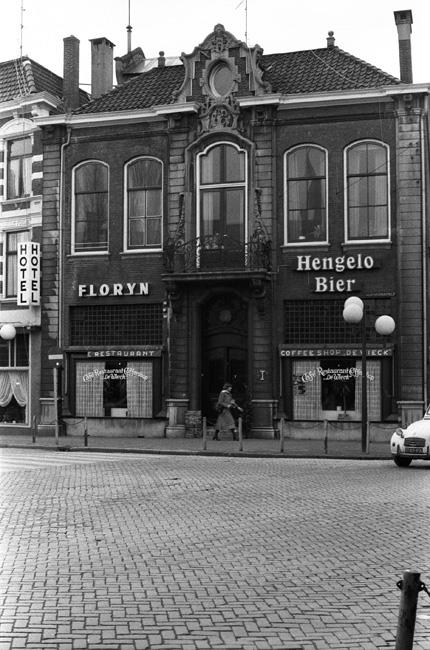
x,y
217,257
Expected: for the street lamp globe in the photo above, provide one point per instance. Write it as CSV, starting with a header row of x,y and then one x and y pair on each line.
x,y
353,313
354,300
7,332
385,325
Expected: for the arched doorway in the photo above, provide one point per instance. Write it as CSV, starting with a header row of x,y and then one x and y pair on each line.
x,y
224,349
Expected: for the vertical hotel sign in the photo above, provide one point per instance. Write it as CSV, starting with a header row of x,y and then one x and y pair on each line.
x,y
28,273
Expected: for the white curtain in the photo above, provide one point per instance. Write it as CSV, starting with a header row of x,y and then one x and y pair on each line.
x,y
13,383
139,389
89,388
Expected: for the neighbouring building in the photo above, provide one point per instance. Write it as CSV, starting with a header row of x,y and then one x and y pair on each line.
x,y
27,90
213,214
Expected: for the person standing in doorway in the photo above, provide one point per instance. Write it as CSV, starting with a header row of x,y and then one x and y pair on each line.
x,y
225,404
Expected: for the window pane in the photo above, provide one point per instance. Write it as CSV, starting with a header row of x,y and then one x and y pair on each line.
x,y
20,147
306,162
13,179
91,177
377,190
153,231
234,212
377,159
210,213
357,160
357,192
210,166
367,192
144,173
378,223
358,223
235,165
137,233
153,202
114,386
91,222
136,204
4,353
144,200
22,352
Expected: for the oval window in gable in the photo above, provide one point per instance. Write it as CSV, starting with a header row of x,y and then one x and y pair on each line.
x,y
221,79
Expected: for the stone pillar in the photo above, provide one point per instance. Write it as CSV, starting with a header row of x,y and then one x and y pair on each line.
x,y
410,411
263,418
176,409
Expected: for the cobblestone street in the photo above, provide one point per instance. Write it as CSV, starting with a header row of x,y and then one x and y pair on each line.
x,y
134,552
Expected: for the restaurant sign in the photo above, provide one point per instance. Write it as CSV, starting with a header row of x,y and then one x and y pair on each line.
x,y
334,351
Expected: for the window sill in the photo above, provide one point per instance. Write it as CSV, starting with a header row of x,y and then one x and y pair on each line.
x,y
21,199
301,244
89,254
141,251
369,243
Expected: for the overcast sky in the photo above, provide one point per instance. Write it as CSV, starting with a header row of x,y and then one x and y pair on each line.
x,y
364,28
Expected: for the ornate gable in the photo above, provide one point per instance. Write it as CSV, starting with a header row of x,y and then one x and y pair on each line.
x,y
216,72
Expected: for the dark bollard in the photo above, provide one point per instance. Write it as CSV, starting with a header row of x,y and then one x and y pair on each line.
x,y
281,435
85,433
325,436
205,434
34,429
240,432
410,587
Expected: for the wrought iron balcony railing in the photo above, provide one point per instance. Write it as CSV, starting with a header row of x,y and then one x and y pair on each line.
x,y
217,253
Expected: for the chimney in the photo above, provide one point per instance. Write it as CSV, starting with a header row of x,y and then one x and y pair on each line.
x,y
404,29
101,66
161,60
330,40
71,73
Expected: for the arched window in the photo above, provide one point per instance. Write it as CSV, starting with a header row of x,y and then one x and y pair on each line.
x,y
90,207
306,195
144,183
367,191
222,183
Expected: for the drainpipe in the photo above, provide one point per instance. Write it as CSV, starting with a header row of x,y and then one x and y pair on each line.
x,y
60,240
424,245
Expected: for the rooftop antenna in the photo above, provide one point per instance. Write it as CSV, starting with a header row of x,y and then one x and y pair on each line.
x,y
129,28
246,18
22,28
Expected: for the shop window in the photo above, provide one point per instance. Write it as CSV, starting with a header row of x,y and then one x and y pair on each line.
x,y
367,192
222,183
90,207
332,388
116,387
306,195
19,167
13,239
14,383
144,204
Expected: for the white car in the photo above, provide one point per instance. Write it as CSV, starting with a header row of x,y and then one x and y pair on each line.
x,y
412,442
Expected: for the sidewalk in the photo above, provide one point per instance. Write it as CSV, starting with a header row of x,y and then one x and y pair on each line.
x,y
194,446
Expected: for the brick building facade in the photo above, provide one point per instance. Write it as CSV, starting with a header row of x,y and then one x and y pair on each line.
x,y
213,215
27,91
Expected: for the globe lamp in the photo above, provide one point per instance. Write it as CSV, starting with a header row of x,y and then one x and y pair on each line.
x,y
353,313
7,332
385,325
